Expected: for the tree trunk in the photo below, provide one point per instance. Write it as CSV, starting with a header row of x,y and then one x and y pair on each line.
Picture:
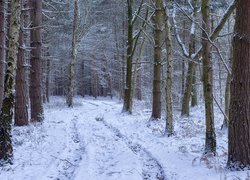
x,y
130,43
168,88
190,79
73,56
158,27
94,83
188,88
21,104
2,49
48,76
227,94
194,100
139,83
210,144
239,115
135,74
6,150
36,101
227,101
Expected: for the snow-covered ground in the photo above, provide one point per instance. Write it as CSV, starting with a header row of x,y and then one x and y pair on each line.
x,y
95,141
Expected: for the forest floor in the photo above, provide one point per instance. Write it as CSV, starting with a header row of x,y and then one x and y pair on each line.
x,y
95,141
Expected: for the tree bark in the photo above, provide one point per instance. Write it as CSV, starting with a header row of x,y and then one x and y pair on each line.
x,y
2,49
48,77
130,43
190,79
239,115
210,143
73,56
36,101
6,150
158,40
227,94
194,100
168,88
21,104
135,74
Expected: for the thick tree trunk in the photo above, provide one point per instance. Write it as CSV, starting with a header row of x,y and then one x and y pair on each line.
x,y
71,87
158,40
36,101
6,150
21,104
210,144
239,115
2,49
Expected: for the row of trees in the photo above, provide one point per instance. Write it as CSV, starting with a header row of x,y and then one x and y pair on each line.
x,y
16,16
238,112
121,48
26,61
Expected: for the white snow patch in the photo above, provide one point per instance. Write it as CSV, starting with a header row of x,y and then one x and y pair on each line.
x,y
94,140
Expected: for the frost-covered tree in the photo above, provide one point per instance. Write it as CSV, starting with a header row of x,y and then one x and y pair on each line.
x,y
6,115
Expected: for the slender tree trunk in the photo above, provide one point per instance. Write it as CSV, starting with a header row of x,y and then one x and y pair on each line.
x,y
194,100
188,88
82,80
109,87
227,94
2,49
136,72
44,71
228,82
21,104
36,100
73,58
183,67
94,83
168,88
210,144
139,83
239,115
124,26
48,76
190,79
227,101
130,43
6,150
158,40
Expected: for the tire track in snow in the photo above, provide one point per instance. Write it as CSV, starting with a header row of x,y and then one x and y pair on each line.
x,y
69,159
152,169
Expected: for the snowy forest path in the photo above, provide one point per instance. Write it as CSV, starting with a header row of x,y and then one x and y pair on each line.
x,y
150,167
67,161
106,156
80,143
